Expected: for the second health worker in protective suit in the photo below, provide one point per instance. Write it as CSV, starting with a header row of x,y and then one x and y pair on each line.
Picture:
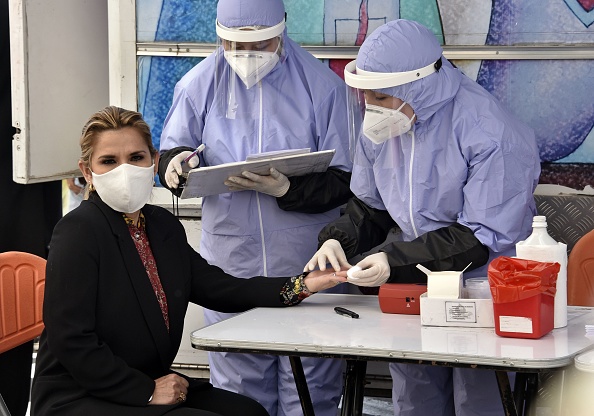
x,y
261,92
447,164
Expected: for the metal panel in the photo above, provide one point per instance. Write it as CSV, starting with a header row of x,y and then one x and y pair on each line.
x,y
59,76
569,217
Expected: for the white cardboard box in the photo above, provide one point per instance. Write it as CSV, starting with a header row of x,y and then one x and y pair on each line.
x,y
457,312
445,284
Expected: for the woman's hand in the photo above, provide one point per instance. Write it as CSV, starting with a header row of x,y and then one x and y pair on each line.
x,y
170,389
324,279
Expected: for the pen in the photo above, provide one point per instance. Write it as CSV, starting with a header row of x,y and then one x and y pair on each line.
x,y
343,311
194,153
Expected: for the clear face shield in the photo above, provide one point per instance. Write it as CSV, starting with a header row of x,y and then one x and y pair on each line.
x,y
356,113
373,115
244,57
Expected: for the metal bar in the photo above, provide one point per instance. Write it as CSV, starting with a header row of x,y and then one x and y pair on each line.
x,y
301,383
175,49
518,52
3,408
350,52
531,393
360,370
354,388
520,391
507,397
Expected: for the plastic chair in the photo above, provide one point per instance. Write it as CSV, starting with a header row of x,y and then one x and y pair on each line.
x,y
22,282
580,272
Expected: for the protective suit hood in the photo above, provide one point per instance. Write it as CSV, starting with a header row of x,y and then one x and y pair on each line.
x,y
240,13
403,45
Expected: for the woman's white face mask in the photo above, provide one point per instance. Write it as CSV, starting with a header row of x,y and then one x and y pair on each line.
x,y
126,188
252,66
381,124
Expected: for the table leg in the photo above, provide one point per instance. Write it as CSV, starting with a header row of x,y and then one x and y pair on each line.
x,y
507,397
301,384
525,390
520,391
354,388
531,393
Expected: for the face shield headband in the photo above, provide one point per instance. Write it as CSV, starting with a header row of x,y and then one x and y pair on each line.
x,y
366,80
243,34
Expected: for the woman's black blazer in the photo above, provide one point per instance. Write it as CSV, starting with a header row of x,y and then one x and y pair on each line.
x,y
105,339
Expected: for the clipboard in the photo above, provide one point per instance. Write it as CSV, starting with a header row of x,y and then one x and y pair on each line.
x,y
210,180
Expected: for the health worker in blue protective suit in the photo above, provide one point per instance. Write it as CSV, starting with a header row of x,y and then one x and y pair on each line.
x,y
438,157
261,92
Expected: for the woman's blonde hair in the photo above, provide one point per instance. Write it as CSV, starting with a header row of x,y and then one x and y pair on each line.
x,y
112,118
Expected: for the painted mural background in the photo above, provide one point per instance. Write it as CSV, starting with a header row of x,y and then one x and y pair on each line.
x,y
555,97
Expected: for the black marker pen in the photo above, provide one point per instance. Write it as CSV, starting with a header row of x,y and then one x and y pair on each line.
x,y
342,311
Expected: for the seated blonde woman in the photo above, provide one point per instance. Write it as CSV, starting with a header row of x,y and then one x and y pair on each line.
x,y
120,274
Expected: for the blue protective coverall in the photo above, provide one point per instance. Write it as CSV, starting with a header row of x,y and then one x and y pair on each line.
x,y
459,186
301,103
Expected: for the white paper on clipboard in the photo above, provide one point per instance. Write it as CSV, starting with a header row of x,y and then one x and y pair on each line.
x,y
210,180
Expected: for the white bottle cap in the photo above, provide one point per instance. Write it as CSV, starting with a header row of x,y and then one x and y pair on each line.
x,y
539,221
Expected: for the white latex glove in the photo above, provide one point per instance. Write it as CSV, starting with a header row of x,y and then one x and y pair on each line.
x,y
275,184
175,169
375,271
330,252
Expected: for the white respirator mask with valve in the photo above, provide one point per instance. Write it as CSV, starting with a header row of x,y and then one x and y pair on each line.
x,y
381,124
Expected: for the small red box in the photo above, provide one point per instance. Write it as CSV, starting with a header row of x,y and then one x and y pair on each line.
x,y
402,298
532,317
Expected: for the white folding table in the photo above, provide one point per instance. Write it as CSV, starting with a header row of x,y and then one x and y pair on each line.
x,y
314,329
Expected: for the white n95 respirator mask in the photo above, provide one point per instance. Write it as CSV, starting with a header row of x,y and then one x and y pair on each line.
x,y
251,66
381,124
126,188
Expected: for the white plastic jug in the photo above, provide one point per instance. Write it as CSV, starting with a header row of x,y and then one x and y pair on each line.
x,y
540,246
